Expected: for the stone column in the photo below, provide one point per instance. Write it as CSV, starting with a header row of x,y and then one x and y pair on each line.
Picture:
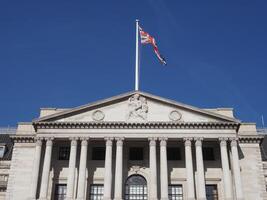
x,y
46,168
189,169
153,169
108,169
82,169
163,169
226,171
119,169
36,166
236,171
71,172
201,189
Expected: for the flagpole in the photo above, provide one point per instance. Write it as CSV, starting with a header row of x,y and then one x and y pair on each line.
x,y
137,56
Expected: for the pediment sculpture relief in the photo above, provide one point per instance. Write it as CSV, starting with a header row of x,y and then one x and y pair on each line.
x,y
137,107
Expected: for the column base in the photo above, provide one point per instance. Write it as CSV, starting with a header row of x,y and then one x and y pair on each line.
x,y
202,198
164,199
107,198
117,199
80,199
191,198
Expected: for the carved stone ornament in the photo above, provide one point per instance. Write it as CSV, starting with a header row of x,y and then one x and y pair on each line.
x,y
175,115
98,115
137,107
136,168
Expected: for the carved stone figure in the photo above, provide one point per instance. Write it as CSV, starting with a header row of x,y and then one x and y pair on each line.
x,y
138,108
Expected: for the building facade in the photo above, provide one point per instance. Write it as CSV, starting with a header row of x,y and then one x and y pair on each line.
x,y
136,146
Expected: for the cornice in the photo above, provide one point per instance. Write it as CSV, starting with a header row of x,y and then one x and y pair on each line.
x,y
251,139
135,125
23,139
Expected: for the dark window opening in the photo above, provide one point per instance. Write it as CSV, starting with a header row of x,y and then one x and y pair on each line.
x,y
60,192
64,153
212,192
208,153
136,153
96,191
98,153
173,153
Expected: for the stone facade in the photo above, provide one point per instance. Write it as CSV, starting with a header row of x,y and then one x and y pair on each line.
x,y
215,150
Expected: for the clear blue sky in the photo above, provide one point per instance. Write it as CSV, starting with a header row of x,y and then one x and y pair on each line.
x,y
68,53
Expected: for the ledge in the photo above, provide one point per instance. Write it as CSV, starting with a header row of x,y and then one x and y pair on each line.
x,y
135,125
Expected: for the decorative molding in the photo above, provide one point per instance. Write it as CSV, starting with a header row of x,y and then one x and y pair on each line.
x,y
175,115
23,139
251,139
136,125
136,168
98,115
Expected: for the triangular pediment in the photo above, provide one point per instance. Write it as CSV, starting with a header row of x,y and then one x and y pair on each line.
x,y
136,106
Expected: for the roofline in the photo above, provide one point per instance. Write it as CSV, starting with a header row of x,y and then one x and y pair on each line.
x,y
96,103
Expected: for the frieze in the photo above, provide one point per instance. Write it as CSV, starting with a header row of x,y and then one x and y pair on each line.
x,y
136,125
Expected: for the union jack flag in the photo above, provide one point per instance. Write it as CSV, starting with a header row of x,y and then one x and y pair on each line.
x,y
148,39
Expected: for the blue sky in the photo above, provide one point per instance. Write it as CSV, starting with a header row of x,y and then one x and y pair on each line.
x,y
68,53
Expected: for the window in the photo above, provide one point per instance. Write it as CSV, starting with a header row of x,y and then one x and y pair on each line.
x,y
173,153
2,150
175,192
212,192
64,153
136,153
98,153
96,191
61,191
208,153
136,188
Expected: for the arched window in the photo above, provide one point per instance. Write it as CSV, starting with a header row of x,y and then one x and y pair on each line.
x,y
136,188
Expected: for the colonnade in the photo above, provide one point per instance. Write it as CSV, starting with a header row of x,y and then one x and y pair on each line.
x,y
192,187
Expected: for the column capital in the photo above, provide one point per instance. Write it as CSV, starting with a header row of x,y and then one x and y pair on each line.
x,y
38,141
163,141
73,141
234,142
152,141
49,141
223,141
119,141
187,141
109,141
198,141
84,141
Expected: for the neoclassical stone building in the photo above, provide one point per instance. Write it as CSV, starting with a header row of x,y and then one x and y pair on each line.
x,y
136,146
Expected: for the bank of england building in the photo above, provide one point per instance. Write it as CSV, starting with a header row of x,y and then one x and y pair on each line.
x,y
136,146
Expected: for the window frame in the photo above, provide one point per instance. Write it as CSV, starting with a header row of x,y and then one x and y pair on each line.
x,y
213,196
175,196
60,196
96,196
